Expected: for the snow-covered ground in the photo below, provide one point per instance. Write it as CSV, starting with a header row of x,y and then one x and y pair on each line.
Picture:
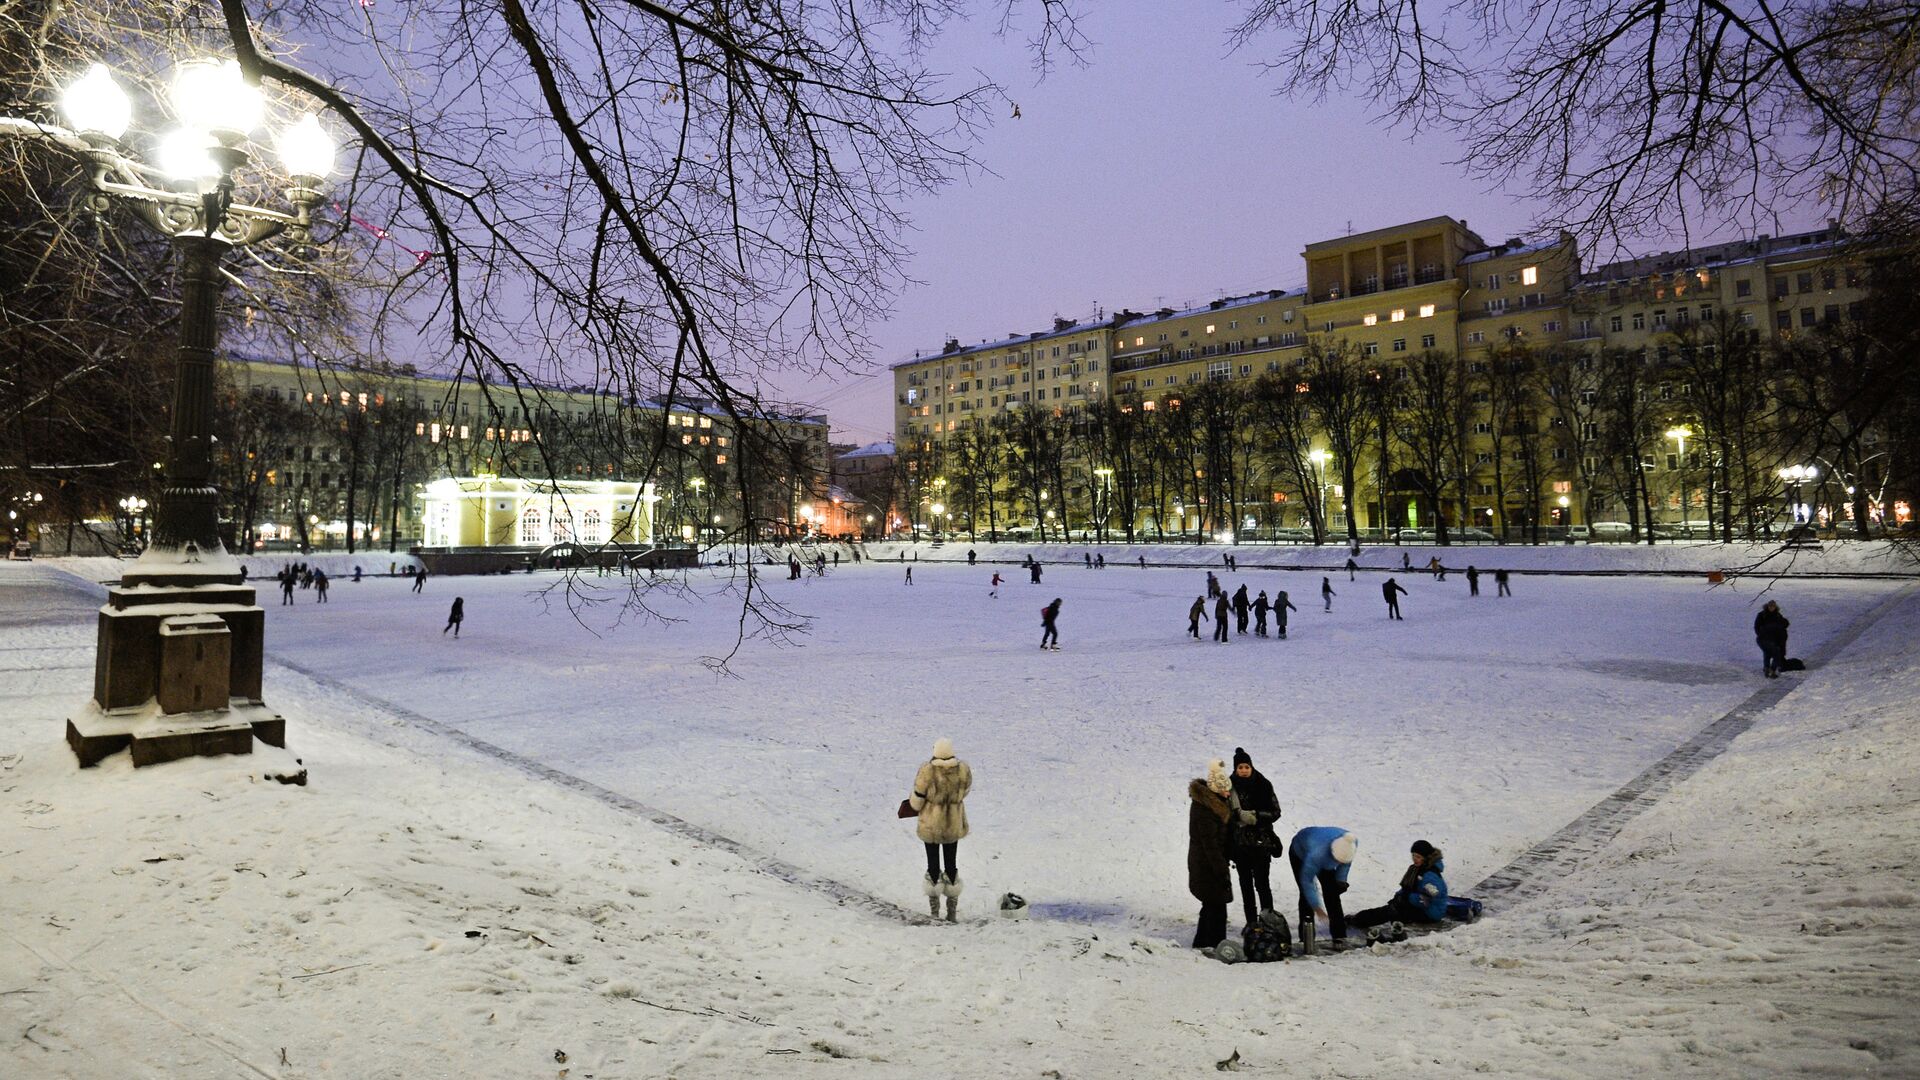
x,y
423,909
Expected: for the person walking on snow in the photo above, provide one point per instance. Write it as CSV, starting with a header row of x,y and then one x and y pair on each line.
x,y
940,799
1208,878
909,575
1088,557
1326,593
1421,898
1213,585
454,616
1351,567
1240,607
1033,571
1260,606
1770,631
1500,583
420,579
1473,581
1194,614
1281,605
971,556
1406,562
286,587
1220,614
995,591
1320,856
1251,840
1392,591
1049,630
320,585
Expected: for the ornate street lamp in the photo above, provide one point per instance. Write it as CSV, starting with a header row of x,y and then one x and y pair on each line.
x,y
177,672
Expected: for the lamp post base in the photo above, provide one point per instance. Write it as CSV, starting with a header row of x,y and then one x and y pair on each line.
x,y
155,737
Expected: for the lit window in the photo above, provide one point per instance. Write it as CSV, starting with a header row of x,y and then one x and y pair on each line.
x,y
420,428
1399,315
719,459
1426,311
1210,328
1369,319
686,440
530,524
1148,406
463,431
1140,341
1530,276
706,421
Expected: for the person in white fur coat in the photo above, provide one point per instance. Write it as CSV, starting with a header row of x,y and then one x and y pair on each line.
x,y
939,795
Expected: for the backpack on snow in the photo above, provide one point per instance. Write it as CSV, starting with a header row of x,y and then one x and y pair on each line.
x,y
1463,908
1793,663
1269,939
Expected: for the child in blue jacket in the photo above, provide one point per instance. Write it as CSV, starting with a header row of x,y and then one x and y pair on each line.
x,y
1423,893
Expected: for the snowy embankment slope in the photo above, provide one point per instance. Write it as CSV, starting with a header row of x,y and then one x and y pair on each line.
x,y
185,921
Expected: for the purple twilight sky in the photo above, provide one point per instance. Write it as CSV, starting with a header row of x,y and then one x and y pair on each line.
x,y
1164,172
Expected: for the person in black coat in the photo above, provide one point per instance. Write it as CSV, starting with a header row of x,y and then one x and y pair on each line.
x,y
1473,581
1251,840
1281,605
1770,630
1392,591
1260,606
1220,615
1049,626
454,616
1241,605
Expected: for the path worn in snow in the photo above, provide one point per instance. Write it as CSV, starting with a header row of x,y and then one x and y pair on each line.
x,y
1539,866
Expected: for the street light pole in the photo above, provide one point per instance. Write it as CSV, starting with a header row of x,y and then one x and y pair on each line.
x,y
177,672
1679,435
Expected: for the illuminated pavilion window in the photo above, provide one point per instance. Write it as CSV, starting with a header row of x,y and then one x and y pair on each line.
x,y
531,525
592,529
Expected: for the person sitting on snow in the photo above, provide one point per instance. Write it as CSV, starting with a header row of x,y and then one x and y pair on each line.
x,y
1422,897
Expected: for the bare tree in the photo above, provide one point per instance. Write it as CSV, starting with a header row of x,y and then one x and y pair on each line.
x,y
1619,112
1281,414
1338,396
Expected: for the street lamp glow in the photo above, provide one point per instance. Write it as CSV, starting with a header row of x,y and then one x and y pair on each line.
x,y
215,97
185,154
1319,457
96,105
939,508
1679,433
1564,501
305,148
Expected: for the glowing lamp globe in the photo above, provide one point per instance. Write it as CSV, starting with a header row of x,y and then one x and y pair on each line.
x,y
185,154
305,148
96,105
213,96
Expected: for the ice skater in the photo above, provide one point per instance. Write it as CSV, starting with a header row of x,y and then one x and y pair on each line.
x,y
1220,615
420,579
1320,856
1392,591
1351,567
1281,605
1326,593
286,587
1501,588
455,616
940,800
1194,614
1473,581
320,585
1770,631
1261,605
909,575
1049,626
1241,605
995,591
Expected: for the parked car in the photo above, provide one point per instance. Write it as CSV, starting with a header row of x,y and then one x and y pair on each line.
x,y
1611,530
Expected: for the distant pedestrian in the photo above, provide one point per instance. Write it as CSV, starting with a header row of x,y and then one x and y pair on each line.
x,y
286,587
320,587
1392,591
1100,562
1326,593
419,579
1049,626
1438,571
1033,572
1406,563
909,575
1226,560
1220,616
1194,614
836,557
356,575
1770,631
1209,877
1213,585
1241,605
995,591
1473,581
1281,605
1088,557
972,556
1260,606
1500,581
1233,562
455,616
1143,562
1351,567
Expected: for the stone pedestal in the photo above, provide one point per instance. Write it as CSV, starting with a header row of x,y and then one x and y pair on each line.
x,y
177,671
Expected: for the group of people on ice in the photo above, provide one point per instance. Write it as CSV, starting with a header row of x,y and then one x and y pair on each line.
x,y
1230,831
1238,608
